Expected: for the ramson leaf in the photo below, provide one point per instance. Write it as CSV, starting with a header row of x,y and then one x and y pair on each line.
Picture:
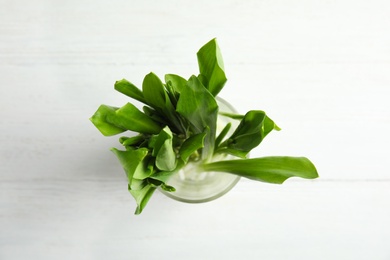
x,y
178,83
222,134
132,119
191,145
133,163
153,91
200,108
142,196
129,89
211,67
132,141
253,128
137,184
163,150
103,120
111,120
273,169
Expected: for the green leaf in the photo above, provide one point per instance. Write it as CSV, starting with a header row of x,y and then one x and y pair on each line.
x,y
161,184
129,89
133,163
146,169
133,119
171,93
252,129
167,187
269,125
222,134
231,115
111,120
137,184
163,150
200,108
157,97
162,175
191,145
131,141
157,141
174,120
273,169
174,85
249,132
154,91
102,119
153,114
142,197
178,83
211,67
234,152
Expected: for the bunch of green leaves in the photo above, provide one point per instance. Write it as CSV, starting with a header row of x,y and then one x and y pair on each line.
x,y
178,125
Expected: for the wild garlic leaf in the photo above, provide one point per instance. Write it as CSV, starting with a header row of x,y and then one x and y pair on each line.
x,y
160,184
145,170
157,97
249,132
154,91
173,118
199,107
130,118
147,188
157,141
153,114
163,151
231,115
234,152
131,141
252,129
269,125
171,93
273,169
222,134
211,67
133,162
178,82
142,196
137,184
191,145
162,175
102,119
167,187
129,89
112,121
166,158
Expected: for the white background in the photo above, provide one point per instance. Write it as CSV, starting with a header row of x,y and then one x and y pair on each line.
x,y
320,69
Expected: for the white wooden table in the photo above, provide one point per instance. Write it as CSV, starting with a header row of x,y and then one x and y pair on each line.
x,y
321,69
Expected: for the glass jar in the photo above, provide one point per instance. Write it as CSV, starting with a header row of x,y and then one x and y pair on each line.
x,y
194,186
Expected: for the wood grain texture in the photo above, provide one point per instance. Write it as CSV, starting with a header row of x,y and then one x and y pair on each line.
x,y
319,68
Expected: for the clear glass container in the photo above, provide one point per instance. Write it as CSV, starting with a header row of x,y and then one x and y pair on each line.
x,y
195,186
